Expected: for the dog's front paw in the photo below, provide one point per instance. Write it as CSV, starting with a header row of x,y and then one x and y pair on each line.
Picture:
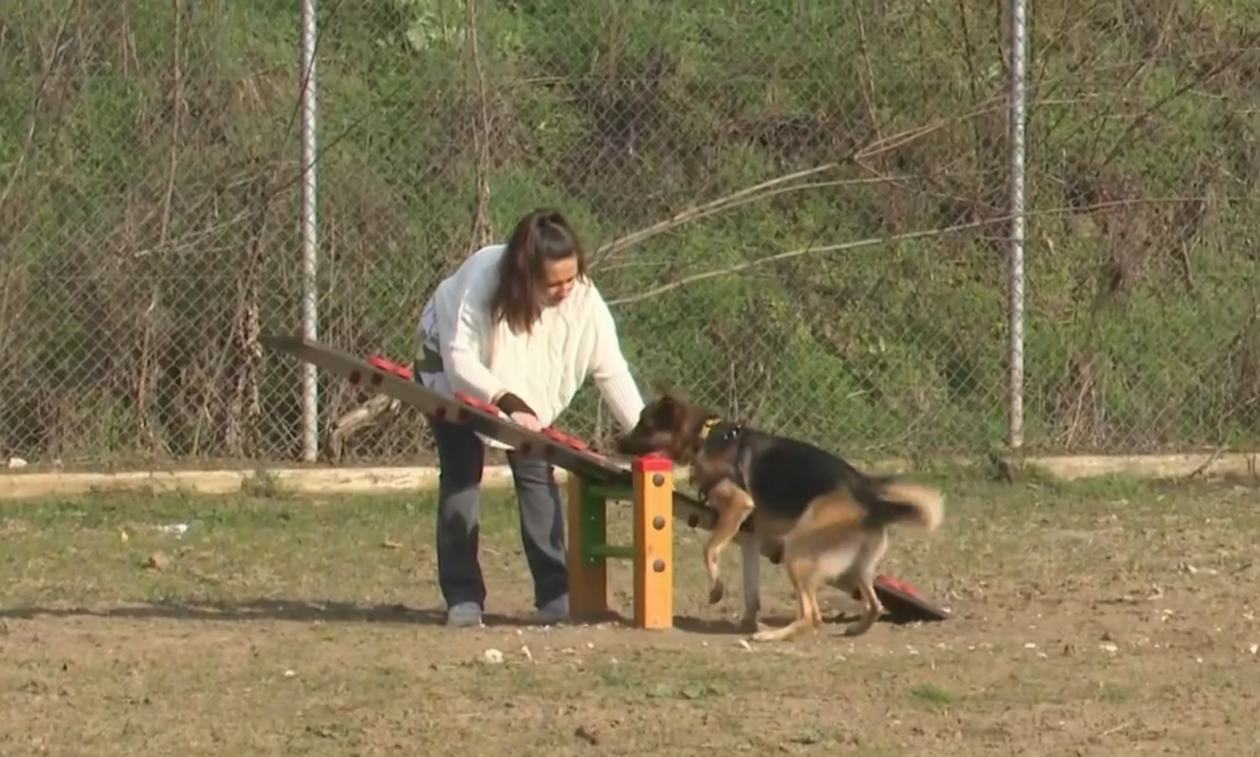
x,y
717,592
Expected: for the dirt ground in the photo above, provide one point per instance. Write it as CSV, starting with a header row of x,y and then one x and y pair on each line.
x,y
1104,618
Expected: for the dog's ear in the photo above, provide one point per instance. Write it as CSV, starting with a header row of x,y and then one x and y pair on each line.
x,y
749,417
668,391
680,416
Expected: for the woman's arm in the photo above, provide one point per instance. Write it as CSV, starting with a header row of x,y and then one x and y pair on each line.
x,y
610,370
469,329
461,354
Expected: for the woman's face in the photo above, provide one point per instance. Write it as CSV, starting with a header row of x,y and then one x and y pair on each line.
x,y
561,278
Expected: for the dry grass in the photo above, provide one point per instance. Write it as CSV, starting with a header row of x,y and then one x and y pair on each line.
x,y
1107,618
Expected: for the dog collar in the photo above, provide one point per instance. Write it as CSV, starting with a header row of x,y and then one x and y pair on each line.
x,y
707,427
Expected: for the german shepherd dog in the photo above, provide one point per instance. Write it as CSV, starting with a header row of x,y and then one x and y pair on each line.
x,y
829,520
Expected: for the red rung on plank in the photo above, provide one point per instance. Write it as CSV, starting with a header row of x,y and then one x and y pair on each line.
x,y
562,438
401,371
474,402
572,442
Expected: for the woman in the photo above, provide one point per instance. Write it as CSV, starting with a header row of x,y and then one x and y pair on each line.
x,y
520,326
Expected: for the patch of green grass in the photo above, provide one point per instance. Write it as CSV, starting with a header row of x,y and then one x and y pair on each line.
x,y
1114,693
932,695
230,549
274,628
380,548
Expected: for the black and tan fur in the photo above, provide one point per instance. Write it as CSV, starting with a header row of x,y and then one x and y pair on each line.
x,y
829,519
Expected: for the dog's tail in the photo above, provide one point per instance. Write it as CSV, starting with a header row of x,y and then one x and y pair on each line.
x,y
901,502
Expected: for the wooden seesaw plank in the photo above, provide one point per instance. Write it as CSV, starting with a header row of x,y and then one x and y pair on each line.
x,y
558,448
564,451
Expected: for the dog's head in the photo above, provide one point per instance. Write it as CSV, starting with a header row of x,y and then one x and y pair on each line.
x,y
669,425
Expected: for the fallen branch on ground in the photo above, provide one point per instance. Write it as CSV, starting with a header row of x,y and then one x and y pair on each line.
x,y
356,420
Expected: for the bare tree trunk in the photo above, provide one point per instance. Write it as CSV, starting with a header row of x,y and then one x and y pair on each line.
x,y
481,234
482,230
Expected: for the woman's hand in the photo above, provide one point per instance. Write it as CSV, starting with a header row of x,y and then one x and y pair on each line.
x,y
528,420
517,409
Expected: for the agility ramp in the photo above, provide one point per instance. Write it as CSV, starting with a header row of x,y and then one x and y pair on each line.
x,y
594,480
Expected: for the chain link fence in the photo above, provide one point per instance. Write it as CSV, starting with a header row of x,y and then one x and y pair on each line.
x,y
798,211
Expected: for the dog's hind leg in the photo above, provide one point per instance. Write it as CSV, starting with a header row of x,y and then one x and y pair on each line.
x,y
873,608
872,553
803,573
750,556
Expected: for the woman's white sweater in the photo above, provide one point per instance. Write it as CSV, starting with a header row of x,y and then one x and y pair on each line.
x,y
546,367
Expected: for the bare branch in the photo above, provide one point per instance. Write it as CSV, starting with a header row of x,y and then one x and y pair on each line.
x,y
28,139
857,244
775,186
700,211
871,242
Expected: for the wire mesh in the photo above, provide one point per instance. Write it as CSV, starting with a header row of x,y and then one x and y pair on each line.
x,y
799,212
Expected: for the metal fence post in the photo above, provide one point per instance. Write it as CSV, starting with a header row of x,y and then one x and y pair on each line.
x,y
1018,118
310,235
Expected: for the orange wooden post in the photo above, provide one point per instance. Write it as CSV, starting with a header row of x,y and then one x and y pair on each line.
x,y
653,543
588,567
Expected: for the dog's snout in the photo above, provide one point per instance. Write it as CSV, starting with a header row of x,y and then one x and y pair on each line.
x,y
639,441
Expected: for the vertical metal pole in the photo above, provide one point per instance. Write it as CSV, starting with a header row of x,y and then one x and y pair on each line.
x,y
310,235
1018,119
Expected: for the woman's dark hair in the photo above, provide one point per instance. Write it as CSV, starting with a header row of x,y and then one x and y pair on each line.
x,y
543,235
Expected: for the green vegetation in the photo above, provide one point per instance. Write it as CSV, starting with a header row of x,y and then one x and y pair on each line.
x,y
150,197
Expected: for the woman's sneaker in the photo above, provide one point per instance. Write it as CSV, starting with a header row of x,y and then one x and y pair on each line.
x,y
464,615
555,611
